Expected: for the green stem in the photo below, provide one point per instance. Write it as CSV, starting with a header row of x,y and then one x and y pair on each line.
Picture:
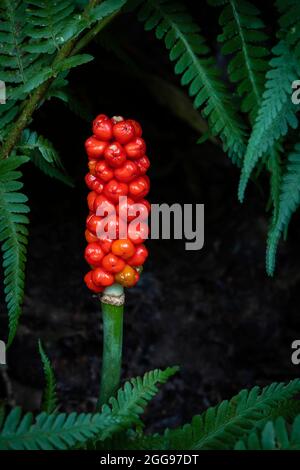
x,y
112,316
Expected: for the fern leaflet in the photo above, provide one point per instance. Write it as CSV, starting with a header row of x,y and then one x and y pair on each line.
x,y
274,436
242,36
276,114
188,49
13,237
44,156
289,202
49,395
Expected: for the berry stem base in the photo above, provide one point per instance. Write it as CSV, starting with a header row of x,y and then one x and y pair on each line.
x,y
112,317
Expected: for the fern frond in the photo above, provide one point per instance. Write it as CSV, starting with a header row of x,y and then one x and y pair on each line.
x,y
190,53
62,431
54,431
219,427
132,399
274,436
48,22
289,23
276,114
289,202
44,156
49,404
242,37
13,237
14,59
275,169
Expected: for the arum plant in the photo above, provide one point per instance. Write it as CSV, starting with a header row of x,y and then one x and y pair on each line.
x,y
115,250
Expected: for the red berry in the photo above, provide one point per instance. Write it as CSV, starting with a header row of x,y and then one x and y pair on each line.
x,y
114,189
102,127
123,209
115,155
103,171
128,277
112,263
94,183
90,284
123,132
137,127
143,164
123,248
103,206
136,148
138,232
139,257
93,254
106,245
91,199
90,238
139,187
127,172
100,277
108,228
92,223
94,148
92,165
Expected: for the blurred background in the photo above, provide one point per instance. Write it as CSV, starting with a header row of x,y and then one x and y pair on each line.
x,y
214,312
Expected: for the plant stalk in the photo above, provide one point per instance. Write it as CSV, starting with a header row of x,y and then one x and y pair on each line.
x,y
112,304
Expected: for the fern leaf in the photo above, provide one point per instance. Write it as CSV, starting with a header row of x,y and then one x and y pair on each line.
x,y
274,166
242,37
54,431
62,431
276,114
44,156
289,202
289,23
47,24
14,60
136,393
49,396
274,436
220,427
190,54
13,237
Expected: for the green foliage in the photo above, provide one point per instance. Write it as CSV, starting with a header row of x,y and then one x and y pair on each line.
x,y
43,154
274,436
48,24
49,404
194,62
242,37
219,427
289,23
62,431
38,41
54,431
276,114
136,393
13,237
288,203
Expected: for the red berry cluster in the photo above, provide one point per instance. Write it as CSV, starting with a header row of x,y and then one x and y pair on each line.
x,y
117,167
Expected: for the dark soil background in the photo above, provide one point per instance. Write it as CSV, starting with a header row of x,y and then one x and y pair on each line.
x,y
214,312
